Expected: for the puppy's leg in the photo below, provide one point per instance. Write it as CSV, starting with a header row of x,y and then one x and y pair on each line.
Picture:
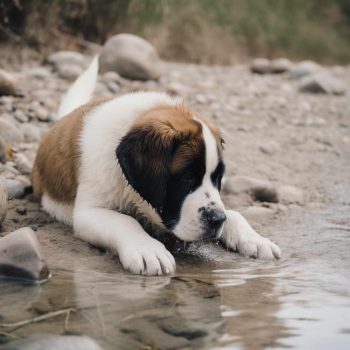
x,y
239,235
122,234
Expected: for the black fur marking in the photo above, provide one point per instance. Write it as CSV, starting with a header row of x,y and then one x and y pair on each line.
x,y
217,175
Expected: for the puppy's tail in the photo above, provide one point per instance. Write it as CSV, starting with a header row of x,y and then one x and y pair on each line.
x,y
80,92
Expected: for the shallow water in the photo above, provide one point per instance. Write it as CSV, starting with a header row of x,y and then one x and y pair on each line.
x,y
217,300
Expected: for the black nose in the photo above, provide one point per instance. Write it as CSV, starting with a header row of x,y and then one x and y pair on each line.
x,y
216,218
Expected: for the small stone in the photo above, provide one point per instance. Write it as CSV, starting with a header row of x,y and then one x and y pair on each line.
x,y
20,116
20,256
21,210
40,73
69,72
111,76
3,151
30,132
260,190
8,84
261,66
113,87
289,194
23,164
15,189
9,132
24,180
3,200
53,342
304,68
280,65
269,148
60,58
130,56
322,82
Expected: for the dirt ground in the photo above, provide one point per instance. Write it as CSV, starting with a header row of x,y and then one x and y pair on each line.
x,y
216,299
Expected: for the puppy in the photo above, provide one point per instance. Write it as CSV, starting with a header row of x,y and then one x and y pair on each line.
x,y
143,164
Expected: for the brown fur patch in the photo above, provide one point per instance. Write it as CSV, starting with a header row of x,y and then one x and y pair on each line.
x,y
57,162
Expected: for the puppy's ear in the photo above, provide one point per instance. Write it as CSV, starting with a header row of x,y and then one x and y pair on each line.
x,y
144,155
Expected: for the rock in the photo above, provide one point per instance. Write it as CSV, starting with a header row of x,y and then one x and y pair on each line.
x,y
53,342
130,56
111,77
8,84
261,66
9,132
303,68
30,132
289,194
3,152
20,116
280,65
260,190
69,71
269,148
23,164
62,58
40,73
15,189
257,214
113,87
25,181
322,82
3,200
20,256
41,113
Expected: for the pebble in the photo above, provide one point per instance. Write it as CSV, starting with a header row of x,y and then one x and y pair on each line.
x,y
130,56
261,66
3,200
281,65
41,113
69,71
24,180
23,164
8,85
9,132
20,256
3,152
62,58
260,190
40,73
30,132
322,82
113,87
304,68
20,116
15,189
289,194
269,148
53,342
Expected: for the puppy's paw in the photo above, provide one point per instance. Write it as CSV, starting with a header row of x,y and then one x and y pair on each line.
x,y
240,236
147,257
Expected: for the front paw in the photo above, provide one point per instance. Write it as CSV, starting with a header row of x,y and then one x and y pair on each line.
x,y
254,246
148,257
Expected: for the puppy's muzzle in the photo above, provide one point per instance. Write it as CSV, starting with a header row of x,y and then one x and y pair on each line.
x,y
213,220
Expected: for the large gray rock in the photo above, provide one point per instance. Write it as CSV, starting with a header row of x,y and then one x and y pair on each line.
x,y
8,84
20,256
3,200
9,132
260,190
53,342
304,68
130,56
322,82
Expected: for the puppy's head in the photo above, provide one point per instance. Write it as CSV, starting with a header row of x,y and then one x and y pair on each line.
x,y
173,158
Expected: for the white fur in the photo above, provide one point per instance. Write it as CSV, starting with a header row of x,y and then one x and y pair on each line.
x,y
188,227
61,212
80,92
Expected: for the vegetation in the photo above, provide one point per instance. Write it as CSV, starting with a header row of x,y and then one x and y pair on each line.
x,y
204,31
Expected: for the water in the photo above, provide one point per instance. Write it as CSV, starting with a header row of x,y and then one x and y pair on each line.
x,y
217,300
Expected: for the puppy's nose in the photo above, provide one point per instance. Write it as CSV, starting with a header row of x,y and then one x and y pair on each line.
x,y
215,217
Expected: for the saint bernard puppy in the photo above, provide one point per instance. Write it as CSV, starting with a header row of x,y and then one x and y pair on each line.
x,y
132,172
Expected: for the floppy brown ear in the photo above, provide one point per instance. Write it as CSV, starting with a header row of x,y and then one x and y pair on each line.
x,y
144,155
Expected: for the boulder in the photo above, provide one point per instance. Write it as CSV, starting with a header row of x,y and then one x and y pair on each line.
x,y
260,190
8,85
20,256
130,56
322,82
